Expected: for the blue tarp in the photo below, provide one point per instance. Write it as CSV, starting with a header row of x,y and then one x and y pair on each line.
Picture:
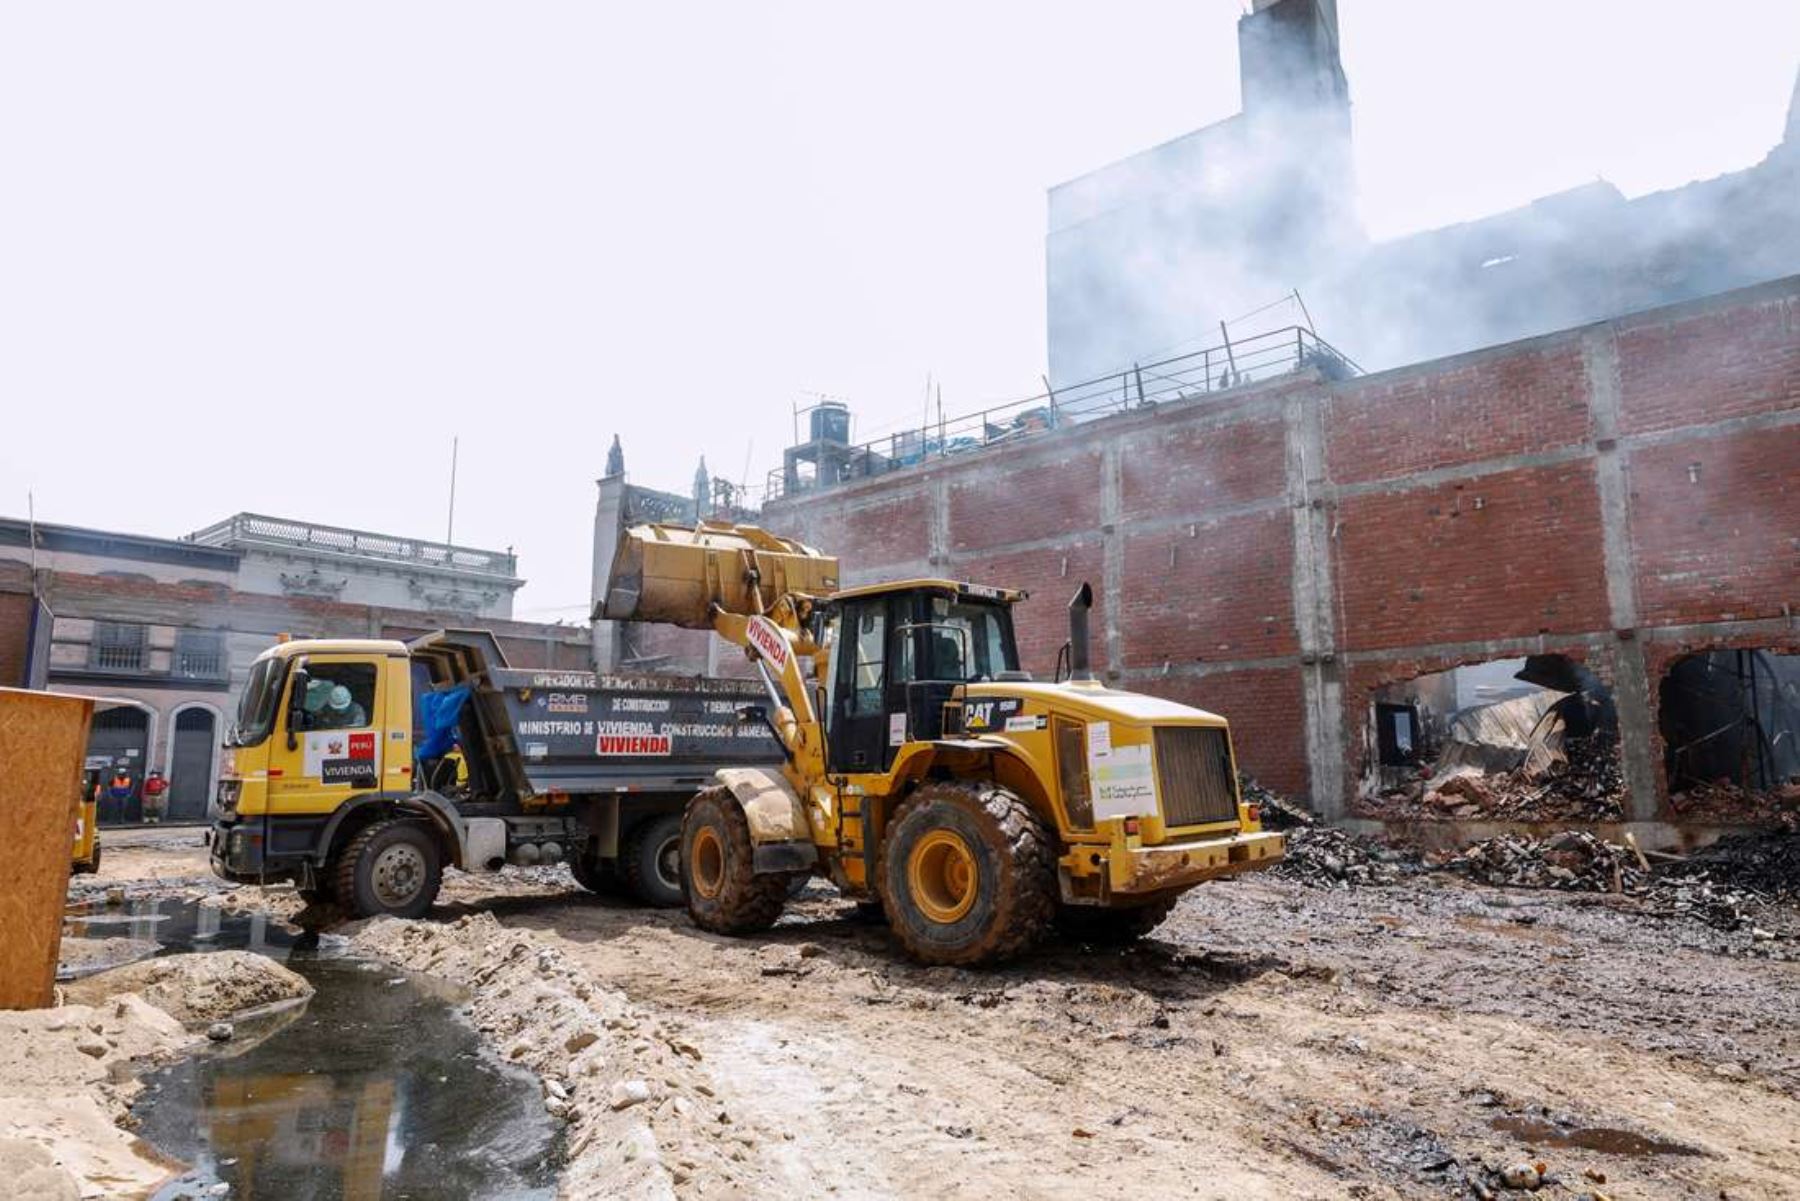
x,y
438,716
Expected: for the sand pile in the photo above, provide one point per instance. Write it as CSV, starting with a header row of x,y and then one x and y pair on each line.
x,y
197,990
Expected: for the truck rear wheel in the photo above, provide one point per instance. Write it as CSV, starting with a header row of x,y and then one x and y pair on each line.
x,y
599,876
650,861
968,875
1110,927
724,894
390,868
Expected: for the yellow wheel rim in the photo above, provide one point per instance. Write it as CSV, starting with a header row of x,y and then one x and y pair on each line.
x,y
706,863
941,874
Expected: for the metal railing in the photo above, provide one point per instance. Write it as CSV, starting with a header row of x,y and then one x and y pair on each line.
x,y
252,529
1142,386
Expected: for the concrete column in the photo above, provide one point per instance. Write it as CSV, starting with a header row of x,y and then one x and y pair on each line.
x,y
1314,607
937,550
1631,682
1112,550
609,518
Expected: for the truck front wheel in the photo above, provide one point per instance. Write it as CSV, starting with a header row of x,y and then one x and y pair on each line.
x,y
390,868
650,861
968,874
724,894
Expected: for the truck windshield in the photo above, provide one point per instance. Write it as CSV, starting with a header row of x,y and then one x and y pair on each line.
x,y
985,648
256,708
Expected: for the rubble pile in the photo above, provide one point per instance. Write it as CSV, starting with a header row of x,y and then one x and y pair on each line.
x,y
1573,860
1583,783
1324,857
1278,812
1727,883
1723,800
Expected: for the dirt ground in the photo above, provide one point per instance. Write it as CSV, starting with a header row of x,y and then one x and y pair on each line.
x,y
1271,1040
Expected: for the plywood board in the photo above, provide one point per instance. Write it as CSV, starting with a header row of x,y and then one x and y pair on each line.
x,y
43,737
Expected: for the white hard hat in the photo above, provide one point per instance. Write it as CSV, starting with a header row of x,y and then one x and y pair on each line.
x,y
340,698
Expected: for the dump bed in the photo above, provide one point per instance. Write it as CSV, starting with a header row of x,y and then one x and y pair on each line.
x,y
528,732
579,732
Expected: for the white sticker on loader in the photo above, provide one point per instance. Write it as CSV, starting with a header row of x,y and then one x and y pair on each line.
x,y
1099,739
1124,782
896,729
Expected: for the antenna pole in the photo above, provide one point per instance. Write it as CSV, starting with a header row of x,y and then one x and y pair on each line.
x,y
450,522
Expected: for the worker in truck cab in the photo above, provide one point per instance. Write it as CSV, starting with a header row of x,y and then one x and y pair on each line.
x,y
340,711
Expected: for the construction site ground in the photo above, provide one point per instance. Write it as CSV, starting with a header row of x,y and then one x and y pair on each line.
x,y
1271,1039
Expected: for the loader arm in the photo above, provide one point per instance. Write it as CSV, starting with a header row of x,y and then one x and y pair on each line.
x,y
750,587
776,648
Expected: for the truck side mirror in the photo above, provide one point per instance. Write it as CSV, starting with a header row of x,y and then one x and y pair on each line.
x,y
299,679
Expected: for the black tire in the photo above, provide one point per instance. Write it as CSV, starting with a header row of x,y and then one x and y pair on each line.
x,y
797,882
598,876
724,894
1110,927
968,874
650,861
92,866
390,868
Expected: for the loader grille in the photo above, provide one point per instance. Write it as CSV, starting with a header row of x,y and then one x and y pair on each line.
x,y
1193,777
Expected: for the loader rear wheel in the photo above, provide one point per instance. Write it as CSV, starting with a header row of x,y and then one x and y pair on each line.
x,y
390,868
1110,927
968,875
650,861
724,894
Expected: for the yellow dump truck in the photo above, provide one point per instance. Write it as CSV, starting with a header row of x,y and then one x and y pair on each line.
x,y
359,769
923,771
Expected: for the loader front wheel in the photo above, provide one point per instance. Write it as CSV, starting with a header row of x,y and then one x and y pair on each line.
x,y
724,894
968,874
1110,927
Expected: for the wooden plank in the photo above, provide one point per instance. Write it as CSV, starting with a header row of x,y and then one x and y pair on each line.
x,y
43,737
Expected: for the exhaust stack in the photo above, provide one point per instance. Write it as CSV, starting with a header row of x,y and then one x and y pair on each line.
x,y
1079,604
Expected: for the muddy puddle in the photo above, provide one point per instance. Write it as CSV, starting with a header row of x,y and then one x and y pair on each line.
x,y
376,1087
1606,1139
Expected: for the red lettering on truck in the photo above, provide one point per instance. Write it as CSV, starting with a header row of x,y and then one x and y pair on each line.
x,y
633,744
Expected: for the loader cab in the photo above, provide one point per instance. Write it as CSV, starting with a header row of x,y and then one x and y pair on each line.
x,y
898,652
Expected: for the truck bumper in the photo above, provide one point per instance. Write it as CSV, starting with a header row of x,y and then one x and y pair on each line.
x,y
1140,871
265,848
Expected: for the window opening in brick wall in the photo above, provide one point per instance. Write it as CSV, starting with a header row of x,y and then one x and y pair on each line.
x,y
1530,739
1730,725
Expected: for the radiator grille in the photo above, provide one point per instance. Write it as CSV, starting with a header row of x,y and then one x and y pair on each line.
x,y
1193,776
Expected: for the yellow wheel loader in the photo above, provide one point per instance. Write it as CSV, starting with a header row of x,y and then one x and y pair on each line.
x,y
924,771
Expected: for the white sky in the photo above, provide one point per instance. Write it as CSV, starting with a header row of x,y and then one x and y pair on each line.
x,y
270,258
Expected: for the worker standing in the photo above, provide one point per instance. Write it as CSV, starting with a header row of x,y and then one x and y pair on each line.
x,y
119,789
156,797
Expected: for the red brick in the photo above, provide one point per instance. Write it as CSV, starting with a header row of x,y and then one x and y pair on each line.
x,y
1024,498
1708,366
1187,469
1223,592
1479,407
1715,527
1508,555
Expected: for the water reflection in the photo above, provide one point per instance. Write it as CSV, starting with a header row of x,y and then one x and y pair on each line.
x,y
376,1089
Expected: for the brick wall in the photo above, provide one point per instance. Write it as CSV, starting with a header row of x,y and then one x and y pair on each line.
x,y
1621,493
15,637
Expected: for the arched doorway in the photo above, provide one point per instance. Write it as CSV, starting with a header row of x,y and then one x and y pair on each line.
x,y
191,764
120,738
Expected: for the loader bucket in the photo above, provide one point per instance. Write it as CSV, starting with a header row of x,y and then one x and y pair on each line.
x,y
673,574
